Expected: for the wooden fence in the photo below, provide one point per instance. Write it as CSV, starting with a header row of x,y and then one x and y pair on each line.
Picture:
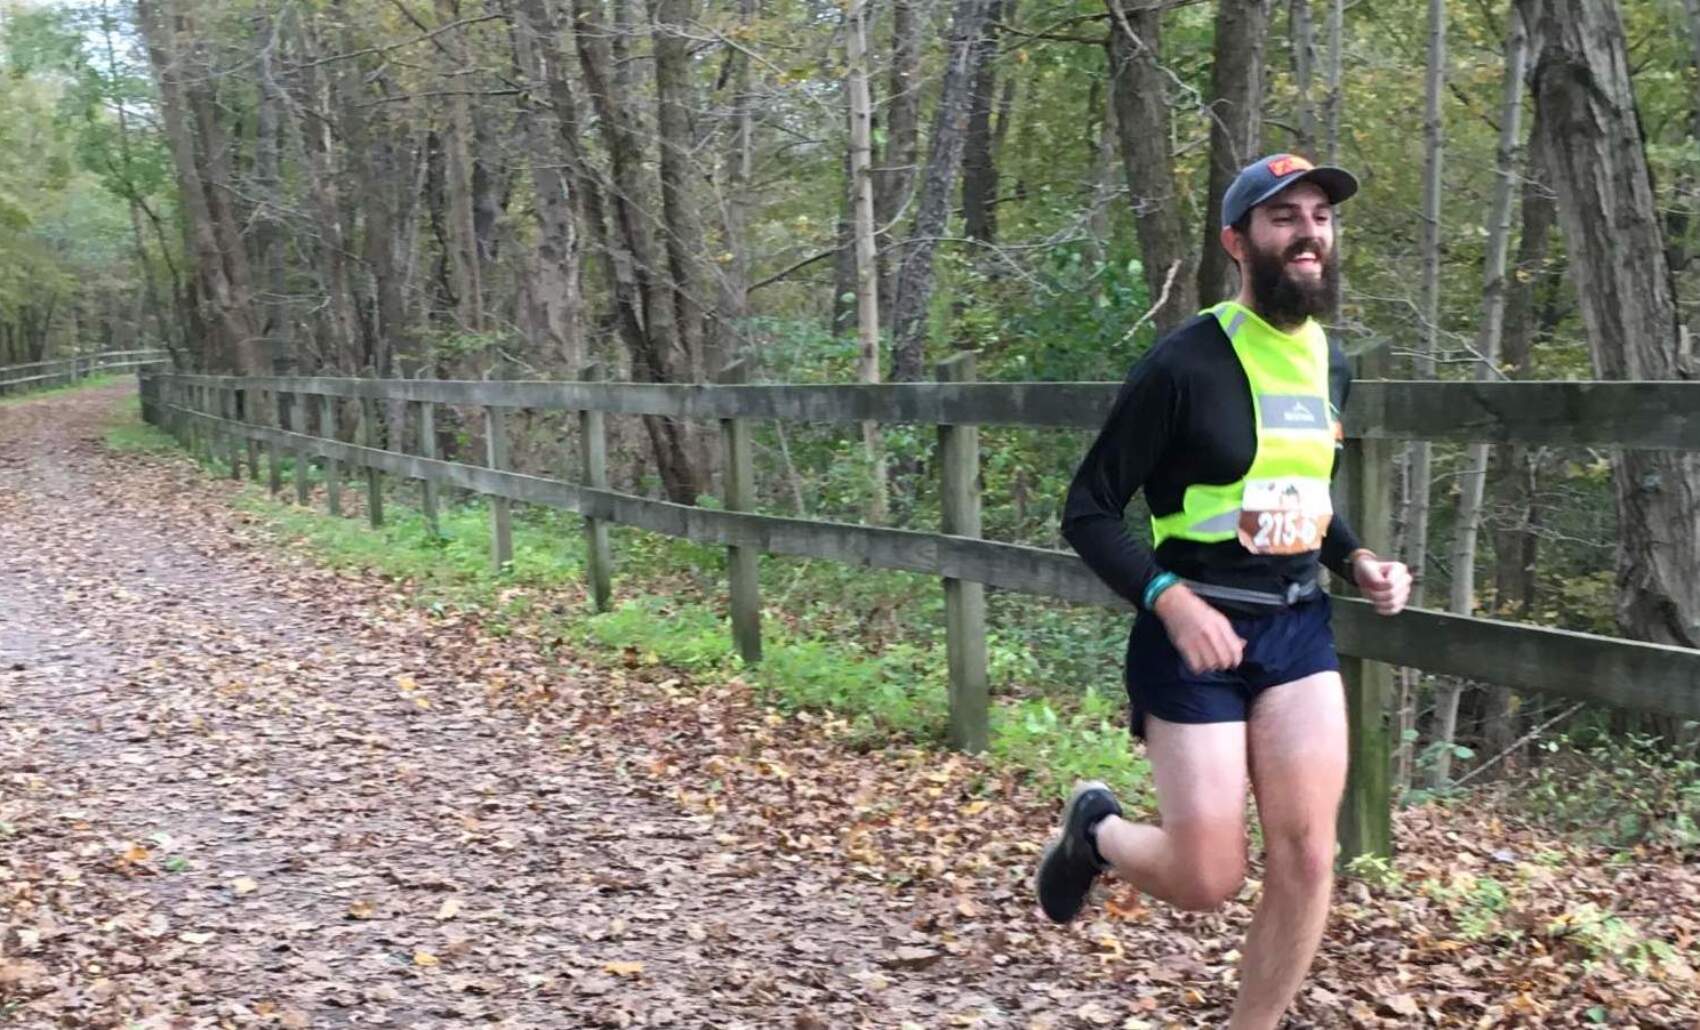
x,y
39,375
213,413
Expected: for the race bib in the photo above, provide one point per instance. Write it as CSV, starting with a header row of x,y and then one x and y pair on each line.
x,y
1284,516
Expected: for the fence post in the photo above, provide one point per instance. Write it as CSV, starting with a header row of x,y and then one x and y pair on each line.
x,y
274,454
741,562
428,449
368,436
964,601
247,400
593,449
333,469
227,403
501,509
298,403
1366,811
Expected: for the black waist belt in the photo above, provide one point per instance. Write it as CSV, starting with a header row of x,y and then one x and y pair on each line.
x,y
1294,593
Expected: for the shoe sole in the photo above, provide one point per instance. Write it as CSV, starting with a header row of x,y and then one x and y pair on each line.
x,y
1062,829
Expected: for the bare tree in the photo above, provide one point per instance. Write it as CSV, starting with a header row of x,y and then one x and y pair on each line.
x,y
867,267
185,109
1236,126
650,313
1140,95
914,286
894,179
555,282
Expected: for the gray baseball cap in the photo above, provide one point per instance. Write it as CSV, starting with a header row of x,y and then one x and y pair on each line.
x,y
1267,176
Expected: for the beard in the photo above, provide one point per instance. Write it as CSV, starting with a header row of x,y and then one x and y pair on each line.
x,y
1285,301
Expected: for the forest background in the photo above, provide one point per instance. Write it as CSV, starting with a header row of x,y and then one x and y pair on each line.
x,y
520,188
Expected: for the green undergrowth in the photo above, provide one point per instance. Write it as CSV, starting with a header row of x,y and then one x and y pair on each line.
x,y
834,639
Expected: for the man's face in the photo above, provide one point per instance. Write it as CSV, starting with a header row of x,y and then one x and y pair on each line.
x,y
1288,253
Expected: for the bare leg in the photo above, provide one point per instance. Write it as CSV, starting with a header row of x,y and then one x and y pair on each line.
x,y
1298,770
1196,858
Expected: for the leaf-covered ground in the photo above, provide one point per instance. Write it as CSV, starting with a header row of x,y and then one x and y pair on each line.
x,y
237,789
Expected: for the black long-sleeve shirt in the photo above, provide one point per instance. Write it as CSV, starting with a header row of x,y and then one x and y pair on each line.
x,y
1184,417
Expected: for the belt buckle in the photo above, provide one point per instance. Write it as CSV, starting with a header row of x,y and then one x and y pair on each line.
x,y
1294,592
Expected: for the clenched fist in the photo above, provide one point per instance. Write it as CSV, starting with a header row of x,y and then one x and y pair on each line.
x,y
1385,584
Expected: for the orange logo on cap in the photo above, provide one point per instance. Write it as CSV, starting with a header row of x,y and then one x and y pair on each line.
x,y
1287,164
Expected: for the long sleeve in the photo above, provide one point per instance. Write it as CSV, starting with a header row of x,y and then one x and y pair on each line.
x,y
1128,447
1339,541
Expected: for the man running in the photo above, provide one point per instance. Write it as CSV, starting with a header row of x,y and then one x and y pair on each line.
x,y
1230,424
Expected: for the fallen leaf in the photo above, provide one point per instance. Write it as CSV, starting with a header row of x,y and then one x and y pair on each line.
x,y
244,885
624,968
425,958
1403,1005
361,910
195,938
912,958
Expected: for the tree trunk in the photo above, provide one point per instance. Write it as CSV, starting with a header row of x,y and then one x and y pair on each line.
x,y
737,201
1301,37
979,169
1236,124
268,221
1593,150
312,116
457,139
1142,125
650,316
895,177
1680,216
556,282
914,288
683,230
867,268
1336,99
163,33
1516,544
1102,146
1463,599
1416,538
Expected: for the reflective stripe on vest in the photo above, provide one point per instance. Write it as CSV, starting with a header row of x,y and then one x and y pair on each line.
x,y
1291,416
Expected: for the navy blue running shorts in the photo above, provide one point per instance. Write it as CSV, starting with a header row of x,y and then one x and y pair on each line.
x,y
1284,645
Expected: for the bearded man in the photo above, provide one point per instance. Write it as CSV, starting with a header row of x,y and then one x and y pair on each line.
x,y
1231,426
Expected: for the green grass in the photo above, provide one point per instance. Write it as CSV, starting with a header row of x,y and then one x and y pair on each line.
x,y
891,690
53,391
128,434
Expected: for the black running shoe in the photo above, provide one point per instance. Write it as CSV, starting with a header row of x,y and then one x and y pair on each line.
x,y
1070,862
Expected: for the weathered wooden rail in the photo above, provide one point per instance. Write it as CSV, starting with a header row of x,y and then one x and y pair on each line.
x,y
210,413
39,375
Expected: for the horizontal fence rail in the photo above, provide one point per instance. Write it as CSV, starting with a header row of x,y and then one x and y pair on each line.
x,y
1532,659
1641,415
37,375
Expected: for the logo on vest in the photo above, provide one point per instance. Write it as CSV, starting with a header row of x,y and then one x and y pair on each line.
x,y
1298,411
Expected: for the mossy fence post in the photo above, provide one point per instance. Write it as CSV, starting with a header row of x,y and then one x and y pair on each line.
x,y
742,569
593,452
501,509
329,429
1366,811
964,601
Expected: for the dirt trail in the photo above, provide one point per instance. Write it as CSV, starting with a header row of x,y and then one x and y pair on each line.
x,y
239,789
